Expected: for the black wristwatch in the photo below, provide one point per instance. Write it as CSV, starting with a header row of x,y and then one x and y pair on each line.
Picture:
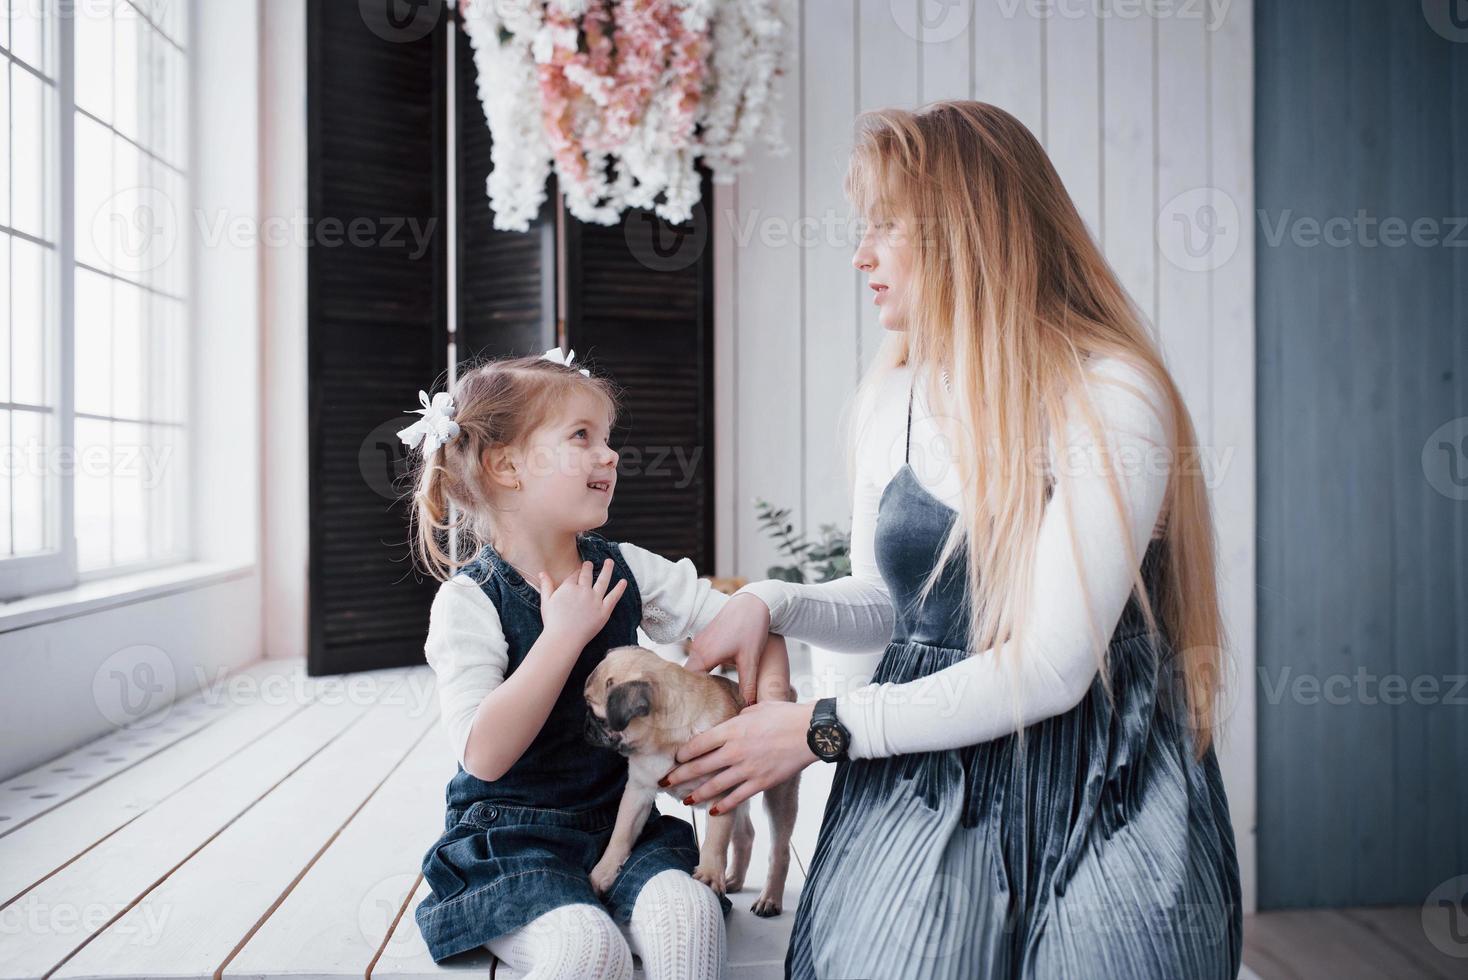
x,y
827,737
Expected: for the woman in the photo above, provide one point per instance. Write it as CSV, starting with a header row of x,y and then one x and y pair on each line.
x,y
1029,788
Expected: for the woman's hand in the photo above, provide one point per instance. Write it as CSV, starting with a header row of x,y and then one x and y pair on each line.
x,y
735,636
760,747
578,608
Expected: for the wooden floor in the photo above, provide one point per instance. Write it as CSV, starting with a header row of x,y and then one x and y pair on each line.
x,y
273,825
1386,943
270,826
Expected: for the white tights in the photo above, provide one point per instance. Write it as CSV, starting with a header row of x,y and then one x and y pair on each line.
x,y
677,929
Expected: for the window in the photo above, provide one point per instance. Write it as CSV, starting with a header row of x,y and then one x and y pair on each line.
x,y
94,104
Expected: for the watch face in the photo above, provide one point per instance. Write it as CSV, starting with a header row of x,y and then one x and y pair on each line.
x,y
828,741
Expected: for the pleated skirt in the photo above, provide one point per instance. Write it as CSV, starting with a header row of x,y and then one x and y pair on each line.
x,y
1103,849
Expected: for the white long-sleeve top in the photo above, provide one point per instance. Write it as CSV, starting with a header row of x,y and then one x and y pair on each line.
x,y
467,650
975,700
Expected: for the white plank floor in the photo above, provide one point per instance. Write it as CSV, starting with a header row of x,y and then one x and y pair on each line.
x,y
270,826
273,826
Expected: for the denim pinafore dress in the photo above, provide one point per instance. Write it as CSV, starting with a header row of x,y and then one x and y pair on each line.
x,y
525,843
1105,850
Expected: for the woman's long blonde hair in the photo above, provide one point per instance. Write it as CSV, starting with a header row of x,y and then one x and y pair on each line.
x,y
1010,295
497,403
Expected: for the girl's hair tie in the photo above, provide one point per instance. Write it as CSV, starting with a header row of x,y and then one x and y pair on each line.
x,y
436,427
554,354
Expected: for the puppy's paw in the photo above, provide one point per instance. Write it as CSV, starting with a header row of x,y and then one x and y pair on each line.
x,y
734,883
603,875
766,906
712,877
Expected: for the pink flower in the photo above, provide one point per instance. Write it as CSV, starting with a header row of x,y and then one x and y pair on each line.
x,y
626,95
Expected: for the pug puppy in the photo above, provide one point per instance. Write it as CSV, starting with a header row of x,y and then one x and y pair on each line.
x,y
646,707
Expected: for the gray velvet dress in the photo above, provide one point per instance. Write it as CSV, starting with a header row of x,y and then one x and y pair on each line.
x,y
1105,851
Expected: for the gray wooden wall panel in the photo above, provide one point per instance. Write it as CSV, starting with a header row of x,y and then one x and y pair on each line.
x,y
1141,106
1360,107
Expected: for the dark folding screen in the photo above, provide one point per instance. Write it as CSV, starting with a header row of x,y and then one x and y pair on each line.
x,y
377,322
506,279
639,305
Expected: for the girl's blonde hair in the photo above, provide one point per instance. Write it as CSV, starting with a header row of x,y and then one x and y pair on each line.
x,y
1010,295
496,403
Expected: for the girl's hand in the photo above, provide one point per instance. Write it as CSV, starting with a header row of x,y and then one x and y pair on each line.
x,y
578,608
760,747
773,681
735,636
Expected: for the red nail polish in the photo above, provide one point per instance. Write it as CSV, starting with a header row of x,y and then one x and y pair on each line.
x,y
663,782
688,800
713,811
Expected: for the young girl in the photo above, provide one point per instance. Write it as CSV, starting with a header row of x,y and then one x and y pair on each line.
x,y
519,449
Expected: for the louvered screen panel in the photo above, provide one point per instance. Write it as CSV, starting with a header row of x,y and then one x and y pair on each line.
x,y
640,304
506,279
377,329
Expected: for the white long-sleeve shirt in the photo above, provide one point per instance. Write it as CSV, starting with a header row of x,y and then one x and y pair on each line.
x,y
467,650
976,700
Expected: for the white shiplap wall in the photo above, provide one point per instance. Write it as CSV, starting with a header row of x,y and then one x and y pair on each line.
x,y
1135,109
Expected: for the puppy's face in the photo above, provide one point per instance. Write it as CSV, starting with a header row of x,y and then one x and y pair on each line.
x,y
621,698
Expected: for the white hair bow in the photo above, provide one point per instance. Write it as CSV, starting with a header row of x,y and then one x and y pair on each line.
x,y
436,427
554,354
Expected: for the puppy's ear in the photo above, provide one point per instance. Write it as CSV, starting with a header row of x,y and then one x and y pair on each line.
x,y
627,701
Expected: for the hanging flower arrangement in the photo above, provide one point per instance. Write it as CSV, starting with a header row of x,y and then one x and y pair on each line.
x,y
622,98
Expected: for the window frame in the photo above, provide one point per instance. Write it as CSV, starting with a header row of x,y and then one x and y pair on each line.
x,y
22,576
31,575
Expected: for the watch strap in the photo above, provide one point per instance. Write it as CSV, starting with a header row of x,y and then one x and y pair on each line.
x,y
825,712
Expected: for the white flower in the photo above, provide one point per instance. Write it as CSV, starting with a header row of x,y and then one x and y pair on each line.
x,y
554,354
739,106
505,79
436,427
